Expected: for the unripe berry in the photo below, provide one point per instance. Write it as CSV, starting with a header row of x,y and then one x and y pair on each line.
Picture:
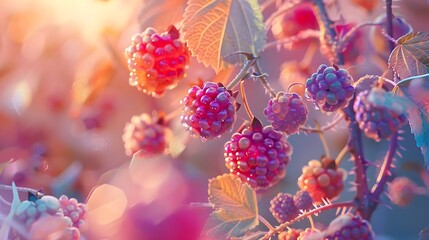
x,y
208,111
156,61
286,112
257,155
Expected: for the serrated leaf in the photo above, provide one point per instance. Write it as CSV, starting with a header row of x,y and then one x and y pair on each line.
x,y
160,14
214,29
236,208
417,90
411,56
419,124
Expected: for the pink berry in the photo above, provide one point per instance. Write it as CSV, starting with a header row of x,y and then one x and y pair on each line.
x,y
257,155
156,61
74,210
286,112
349,227
208,111
144,135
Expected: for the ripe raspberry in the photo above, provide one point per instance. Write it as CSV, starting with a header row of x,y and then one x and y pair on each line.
x,y
286,112
349,227
74,210
401,191
303,200
257,155
144,135
321,179
283,208
209,111
156,61
301,18
377,116
330,88
290,234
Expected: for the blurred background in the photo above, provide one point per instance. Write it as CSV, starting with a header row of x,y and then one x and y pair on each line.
x,y
65,100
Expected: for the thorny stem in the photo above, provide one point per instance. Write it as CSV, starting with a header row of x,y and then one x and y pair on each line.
x,y
389,24
20,189
266,223
264,82
385,168
245,103
280,228
327,30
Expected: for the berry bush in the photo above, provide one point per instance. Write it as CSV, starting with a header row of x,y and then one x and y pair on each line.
x,y
197,119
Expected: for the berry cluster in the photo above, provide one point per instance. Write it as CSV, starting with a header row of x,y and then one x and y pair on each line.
x,y
208,111
322,179
290,234
144,135
330,88
258,155
28,212
286,112
377,116
156,61
349,227
286,207
74,210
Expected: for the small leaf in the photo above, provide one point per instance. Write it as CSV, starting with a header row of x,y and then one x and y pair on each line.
x,y
236,208
214,29
5,228
411,56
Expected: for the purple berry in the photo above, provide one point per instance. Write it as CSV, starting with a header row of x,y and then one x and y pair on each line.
x,y
349,227
144,135
283,208
286,112
377,116
208,111
258,156
330,88
303,200
74,210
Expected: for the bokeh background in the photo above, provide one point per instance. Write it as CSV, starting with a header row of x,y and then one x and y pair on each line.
x,y
65,100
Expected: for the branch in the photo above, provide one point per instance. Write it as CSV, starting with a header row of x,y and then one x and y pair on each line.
x,y
264,82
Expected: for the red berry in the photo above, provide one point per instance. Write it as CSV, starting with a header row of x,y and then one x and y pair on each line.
x,y
290,234
283,208
321,179
286,112
303,200
301,18
144,135
257,155
156,61
208,111
349,227
377,116
401,191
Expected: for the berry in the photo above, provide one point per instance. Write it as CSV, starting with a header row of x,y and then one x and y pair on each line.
x,y
330,88
377,115
74,210
310,234
303,200
283,208
322,179
286,112
368,5
144,135
401,191
380,40
156,61
348,227
301,18
27,212
257,155
290,234
208,111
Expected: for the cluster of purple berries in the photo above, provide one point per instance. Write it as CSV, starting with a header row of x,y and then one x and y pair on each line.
x,y
330,88
286,207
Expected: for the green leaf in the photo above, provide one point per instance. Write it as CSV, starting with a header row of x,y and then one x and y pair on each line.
x,y
411,56
236,208
214,29
416,89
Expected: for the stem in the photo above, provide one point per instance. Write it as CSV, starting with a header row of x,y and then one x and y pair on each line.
x,y
389,24
341,155
324,142
384,171
20,189
263,80
246,104
324,128
305,215
350,34
309,55
240,75
266,223
328,34
172,115
310,219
